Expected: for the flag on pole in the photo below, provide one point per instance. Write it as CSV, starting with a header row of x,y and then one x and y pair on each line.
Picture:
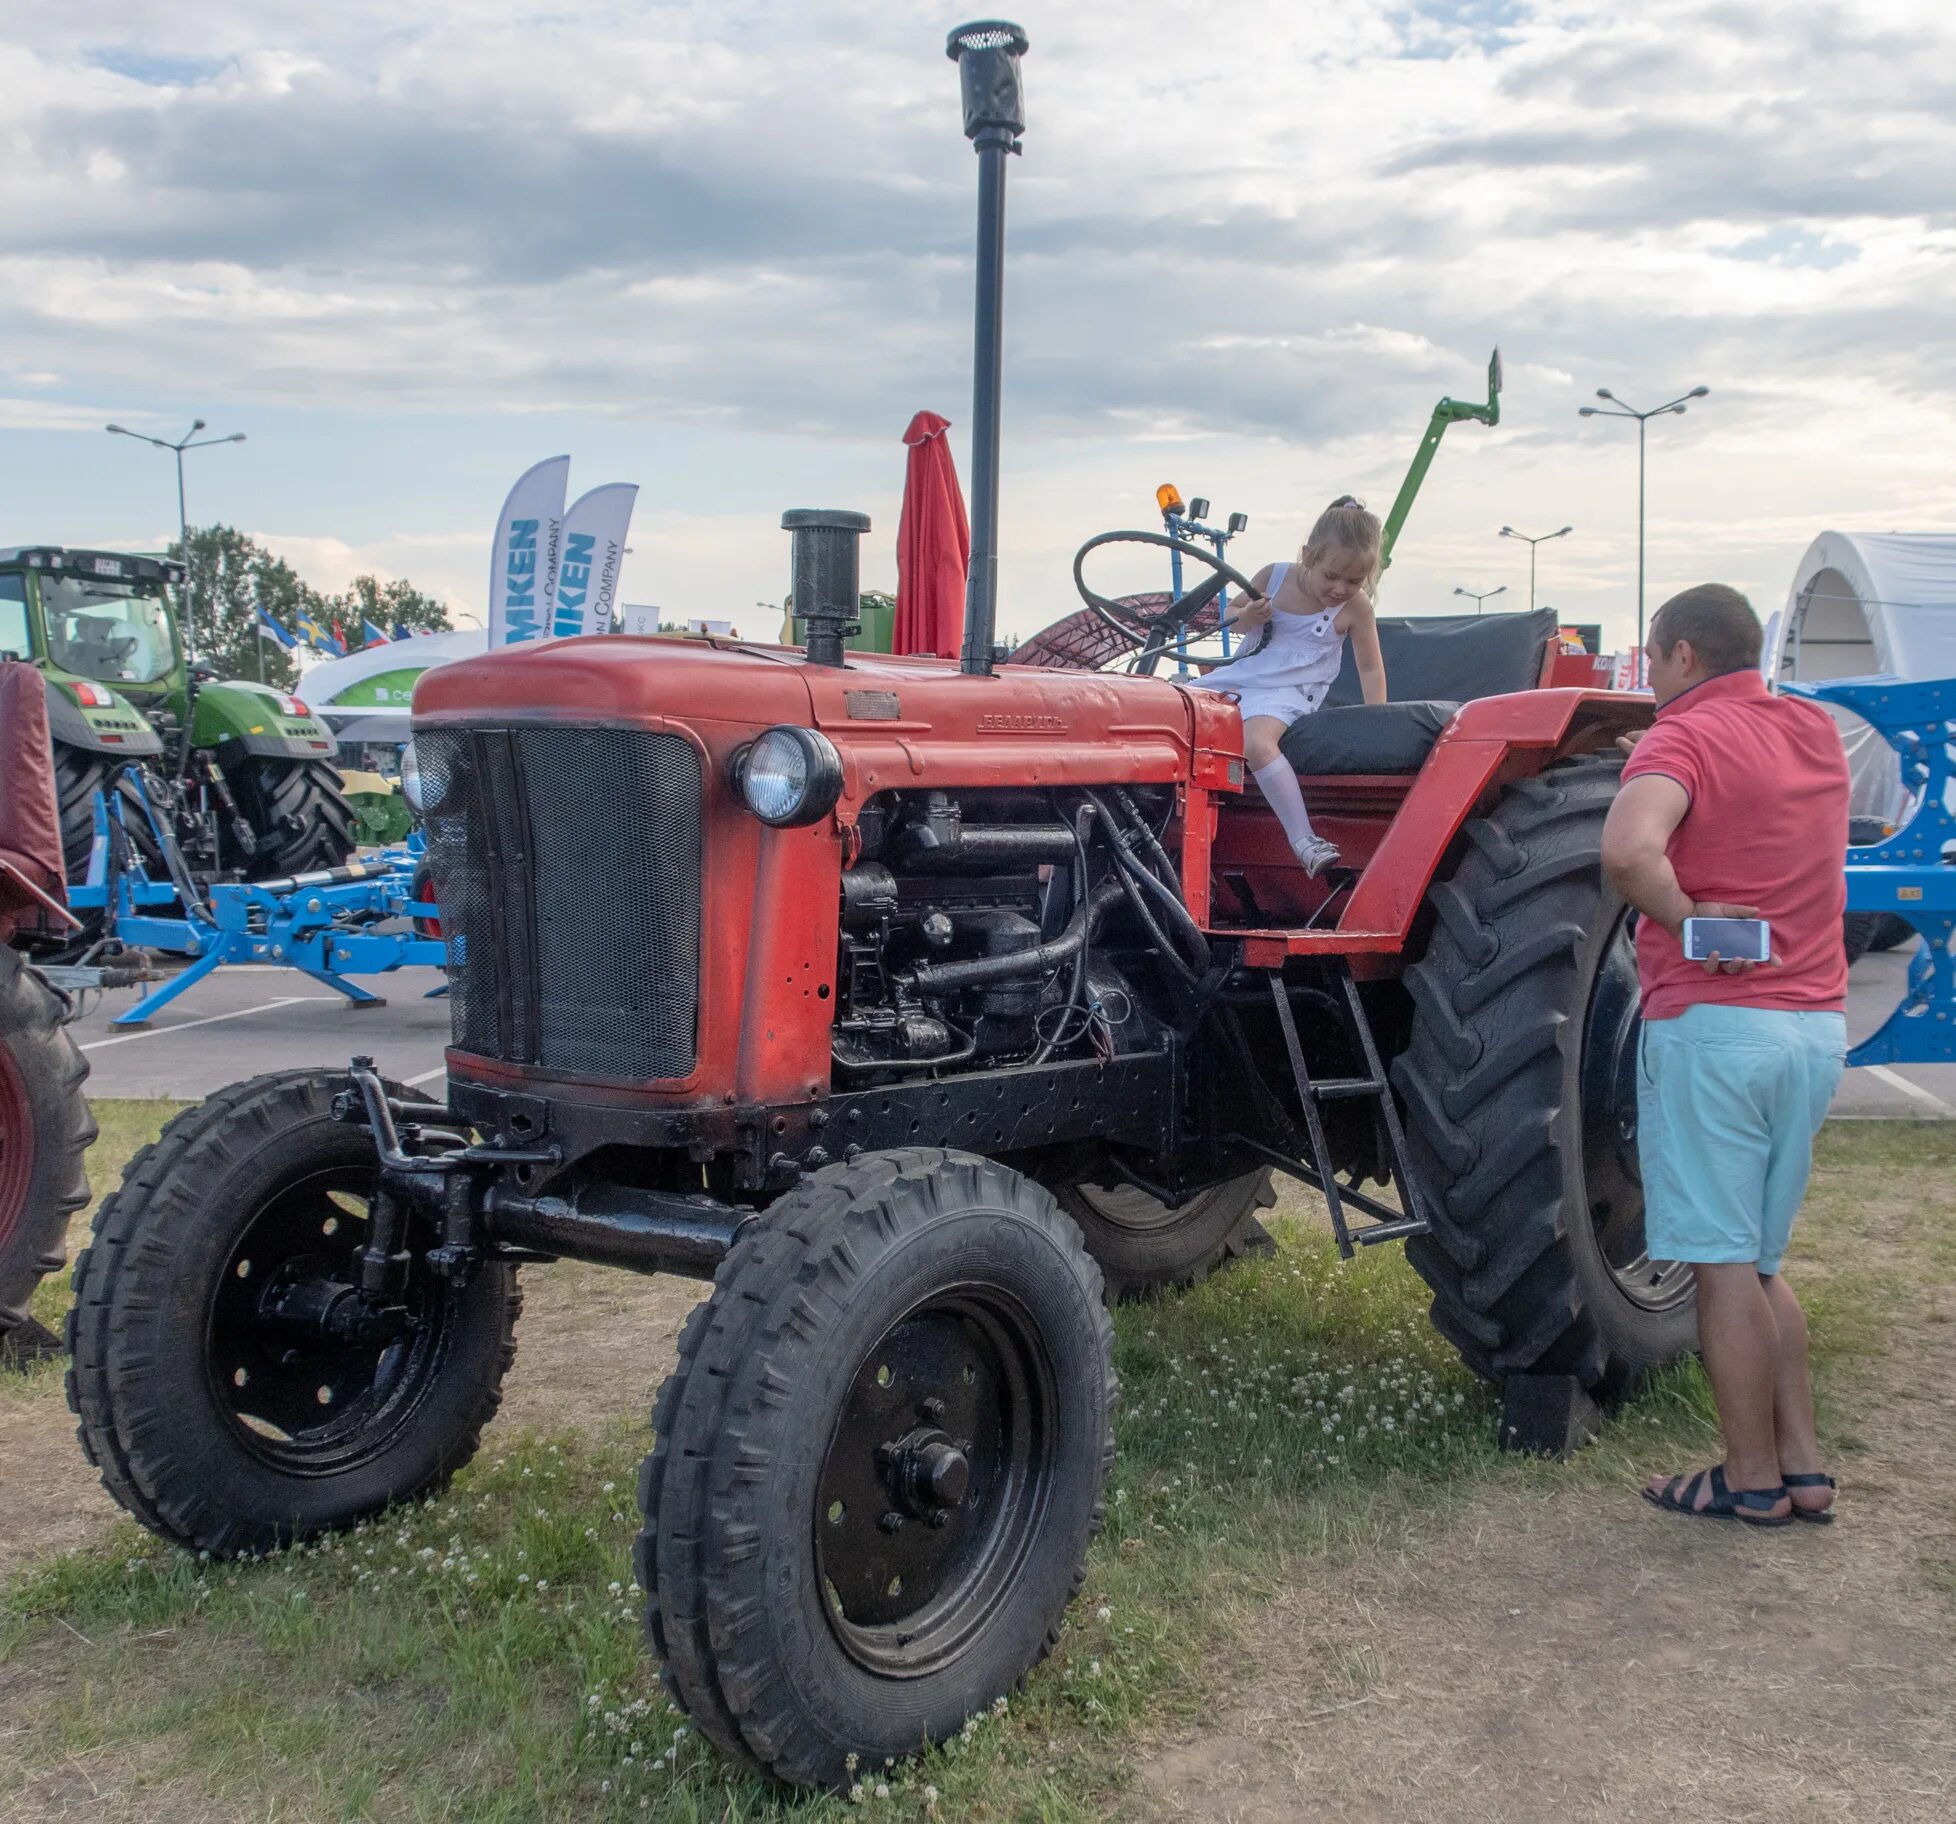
x,y
269,628
594,554
370,635
523,561
317,637
402,631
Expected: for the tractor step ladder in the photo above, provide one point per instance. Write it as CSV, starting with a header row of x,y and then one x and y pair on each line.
x,y
1387,1223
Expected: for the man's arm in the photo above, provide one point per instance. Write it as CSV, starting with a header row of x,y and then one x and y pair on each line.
x,y
1636,838
1636,843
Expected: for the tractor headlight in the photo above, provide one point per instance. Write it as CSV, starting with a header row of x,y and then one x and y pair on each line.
x,y
789,776
411,788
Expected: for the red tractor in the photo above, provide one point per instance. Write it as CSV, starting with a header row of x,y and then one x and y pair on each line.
x,y
925,1008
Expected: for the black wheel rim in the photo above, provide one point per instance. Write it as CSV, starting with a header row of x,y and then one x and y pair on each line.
x,y
936,1482
1612,1180
301,1399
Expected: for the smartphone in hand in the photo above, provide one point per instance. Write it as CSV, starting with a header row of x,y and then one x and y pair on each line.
x,y
1733,940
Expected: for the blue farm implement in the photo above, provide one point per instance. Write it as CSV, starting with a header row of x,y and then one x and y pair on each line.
x,y
323,924
1908,873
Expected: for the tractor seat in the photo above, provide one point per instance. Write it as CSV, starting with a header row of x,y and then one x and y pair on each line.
x,y
1366,738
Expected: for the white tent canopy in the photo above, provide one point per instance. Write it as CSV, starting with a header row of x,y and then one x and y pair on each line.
x,y
343,691
1864,603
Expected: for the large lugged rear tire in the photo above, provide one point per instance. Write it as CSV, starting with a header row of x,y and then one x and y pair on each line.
x,y
78,776
215,1419
1144,1246
1520,1093
878,1465
45,1128
298,813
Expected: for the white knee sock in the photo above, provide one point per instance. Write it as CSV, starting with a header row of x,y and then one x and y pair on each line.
x,y
1278,783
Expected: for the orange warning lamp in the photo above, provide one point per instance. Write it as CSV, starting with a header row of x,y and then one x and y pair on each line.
x,y
1168,498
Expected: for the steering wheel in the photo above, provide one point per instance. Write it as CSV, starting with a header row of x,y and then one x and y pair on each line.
x,y
1158,632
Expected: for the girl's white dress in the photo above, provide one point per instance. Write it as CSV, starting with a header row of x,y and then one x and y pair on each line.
x,y
1289,674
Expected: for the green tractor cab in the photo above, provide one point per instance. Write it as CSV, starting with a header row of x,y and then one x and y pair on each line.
x,y
252,791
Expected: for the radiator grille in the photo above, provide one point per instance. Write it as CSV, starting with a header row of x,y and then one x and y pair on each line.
x,y
567,868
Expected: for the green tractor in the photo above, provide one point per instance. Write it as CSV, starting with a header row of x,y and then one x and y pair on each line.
x,y
243,773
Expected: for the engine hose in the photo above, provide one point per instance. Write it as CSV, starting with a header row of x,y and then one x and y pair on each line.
x,y
980,971
1083,817
1125,799
1131,869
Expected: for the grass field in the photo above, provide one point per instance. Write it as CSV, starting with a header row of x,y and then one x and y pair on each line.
x,y
480,1657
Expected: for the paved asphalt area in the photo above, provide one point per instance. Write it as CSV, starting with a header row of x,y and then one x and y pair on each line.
x,y
251,1019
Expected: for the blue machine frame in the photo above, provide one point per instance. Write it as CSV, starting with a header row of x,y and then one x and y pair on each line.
x,y
1909,873
315,923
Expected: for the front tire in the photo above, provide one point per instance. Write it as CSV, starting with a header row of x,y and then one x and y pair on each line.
x,y
879,1463
217,1421
45,1128
1144,1247
1520,1094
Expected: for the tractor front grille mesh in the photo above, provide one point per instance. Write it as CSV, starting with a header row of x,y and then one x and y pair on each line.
x,y
567,869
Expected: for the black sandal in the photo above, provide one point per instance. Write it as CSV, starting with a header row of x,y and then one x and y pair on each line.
x,y
1813,1516
1748,1506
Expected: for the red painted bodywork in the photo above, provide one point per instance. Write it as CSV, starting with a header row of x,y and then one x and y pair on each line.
x,y
769,920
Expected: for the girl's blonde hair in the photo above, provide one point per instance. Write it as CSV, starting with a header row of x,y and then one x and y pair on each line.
x,y
1345,525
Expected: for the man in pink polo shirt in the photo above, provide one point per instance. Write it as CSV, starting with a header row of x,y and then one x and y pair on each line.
x,y
1734,805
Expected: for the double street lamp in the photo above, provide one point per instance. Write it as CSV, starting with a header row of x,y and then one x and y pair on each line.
x,y
1616,408
188,441
1478,596
1510,532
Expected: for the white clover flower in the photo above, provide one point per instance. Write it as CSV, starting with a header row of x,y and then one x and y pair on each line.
x,y
882,1790
1103,1613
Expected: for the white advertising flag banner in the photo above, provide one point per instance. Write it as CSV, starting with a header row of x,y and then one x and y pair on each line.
x,y
523,565
594,554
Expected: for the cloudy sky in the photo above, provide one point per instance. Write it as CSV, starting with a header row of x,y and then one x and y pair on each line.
x,y
723,250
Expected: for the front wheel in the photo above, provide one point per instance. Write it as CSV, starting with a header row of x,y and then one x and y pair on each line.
x,y
878,1466
232,1397
1520,1088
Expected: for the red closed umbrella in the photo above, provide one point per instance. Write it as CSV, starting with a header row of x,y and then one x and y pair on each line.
x,y
933,545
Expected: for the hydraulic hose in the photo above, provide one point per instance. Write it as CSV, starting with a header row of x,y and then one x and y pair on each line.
x,y
1131,869
978,971
1083,816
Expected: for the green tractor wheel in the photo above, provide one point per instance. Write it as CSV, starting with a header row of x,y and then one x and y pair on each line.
x,y
298,813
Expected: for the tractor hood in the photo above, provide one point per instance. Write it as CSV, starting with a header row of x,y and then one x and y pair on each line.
x,y
897,722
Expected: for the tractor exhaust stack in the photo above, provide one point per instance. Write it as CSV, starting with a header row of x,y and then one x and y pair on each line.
x,y
987,54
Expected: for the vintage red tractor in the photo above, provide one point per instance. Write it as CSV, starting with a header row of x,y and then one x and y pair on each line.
x,y
923,1007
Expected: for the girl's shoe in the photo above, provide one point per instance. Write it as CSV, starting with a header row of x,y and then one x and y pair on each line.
x,y
1315,855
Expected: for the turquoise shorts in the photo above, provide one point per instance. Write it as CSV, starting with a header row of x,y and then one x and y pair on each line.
x,y
1728,1102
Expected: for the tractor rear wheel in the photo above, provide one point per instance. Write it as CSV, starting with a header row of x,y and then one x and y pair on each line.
x,y
1144,1246
1520,1088
298,813
227,1386
879,1462
45,1128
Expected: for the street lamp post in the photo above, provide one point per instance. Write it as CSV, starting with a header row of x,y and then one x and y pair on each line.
x,y
188,441
1617,409
1478,596
1510,532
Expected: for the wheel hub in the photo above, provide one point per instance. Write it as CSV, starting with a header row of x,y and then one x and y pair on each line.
x,y
933,1484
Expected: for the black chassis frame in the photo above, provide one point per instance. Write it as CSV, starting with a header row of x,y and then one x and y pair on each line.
x,y
559,1174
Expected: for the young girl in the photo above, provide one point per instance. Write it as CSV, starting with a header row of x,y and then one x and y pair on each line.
x,y
1311,608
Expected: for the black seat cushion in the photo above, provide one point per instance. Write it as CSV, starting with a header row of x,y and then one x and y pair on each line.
x,y
1453,657
1366,738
